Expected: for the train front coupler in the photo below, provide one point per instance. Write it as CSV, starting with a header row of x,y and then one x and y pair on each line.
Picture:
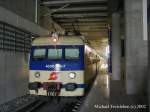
x,y
52,88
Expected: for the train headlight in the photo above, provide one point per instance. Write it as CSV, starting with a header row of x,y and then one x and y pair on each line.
x,y
72,75
37,74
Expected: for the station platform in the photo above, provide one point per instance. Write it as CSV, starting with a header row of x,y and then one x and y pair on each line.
x,y
110,96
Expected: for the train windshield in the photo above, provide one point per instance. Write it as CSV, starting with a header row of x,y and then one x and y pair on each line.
x,y
39,53
54,53
71,53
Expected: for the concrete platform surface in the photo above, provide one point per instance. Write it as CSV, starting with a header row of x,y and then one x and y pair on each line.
x,y
110,96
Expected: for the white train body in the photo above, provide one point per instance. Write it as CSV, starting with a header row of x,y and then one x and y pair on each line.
x,y
62,68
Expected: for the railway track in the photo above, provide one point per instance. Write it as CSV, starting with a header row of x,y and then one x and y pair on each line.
x,y
72,106
31,107
53,105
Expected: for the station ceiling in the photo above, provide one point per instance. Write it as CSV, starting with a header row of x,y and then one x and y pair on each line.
x,y
89,17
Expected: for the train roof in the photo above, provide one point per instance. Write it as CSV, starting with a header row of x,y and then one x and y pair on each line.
x,y
63,40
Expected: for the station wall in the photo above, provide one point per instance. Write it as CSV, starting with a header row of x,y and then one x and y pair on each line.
x,y
14,64
13,75
14,72
14,50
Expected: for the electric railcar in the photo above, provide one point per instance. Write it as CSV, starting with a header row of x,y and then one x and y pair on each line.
x,y
63,67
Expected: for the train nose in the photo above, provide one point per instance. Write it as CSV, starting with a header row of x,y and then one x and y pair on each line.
x,y
53,76
52,86
34,85
70,86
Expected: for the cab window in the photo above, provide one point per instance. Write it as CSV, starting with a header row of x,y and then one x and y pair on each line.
x,y
54,53
39,53
71,53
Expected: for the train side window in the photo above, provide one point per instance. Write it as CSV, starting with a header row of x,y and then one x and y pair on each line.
x,y
72,53
54,53
39,53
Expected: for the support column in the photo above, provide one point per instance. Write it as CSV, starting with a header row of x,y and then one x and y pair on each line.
x,y
116,47
149,52
136,47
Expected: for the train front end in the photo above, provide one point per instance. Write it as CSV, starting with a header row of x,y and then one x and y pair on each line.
x,y
57,70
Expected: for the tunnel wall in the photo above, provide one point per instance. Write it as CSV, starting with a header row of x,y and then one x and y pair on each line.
x,y
136,48
24,8
13,75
